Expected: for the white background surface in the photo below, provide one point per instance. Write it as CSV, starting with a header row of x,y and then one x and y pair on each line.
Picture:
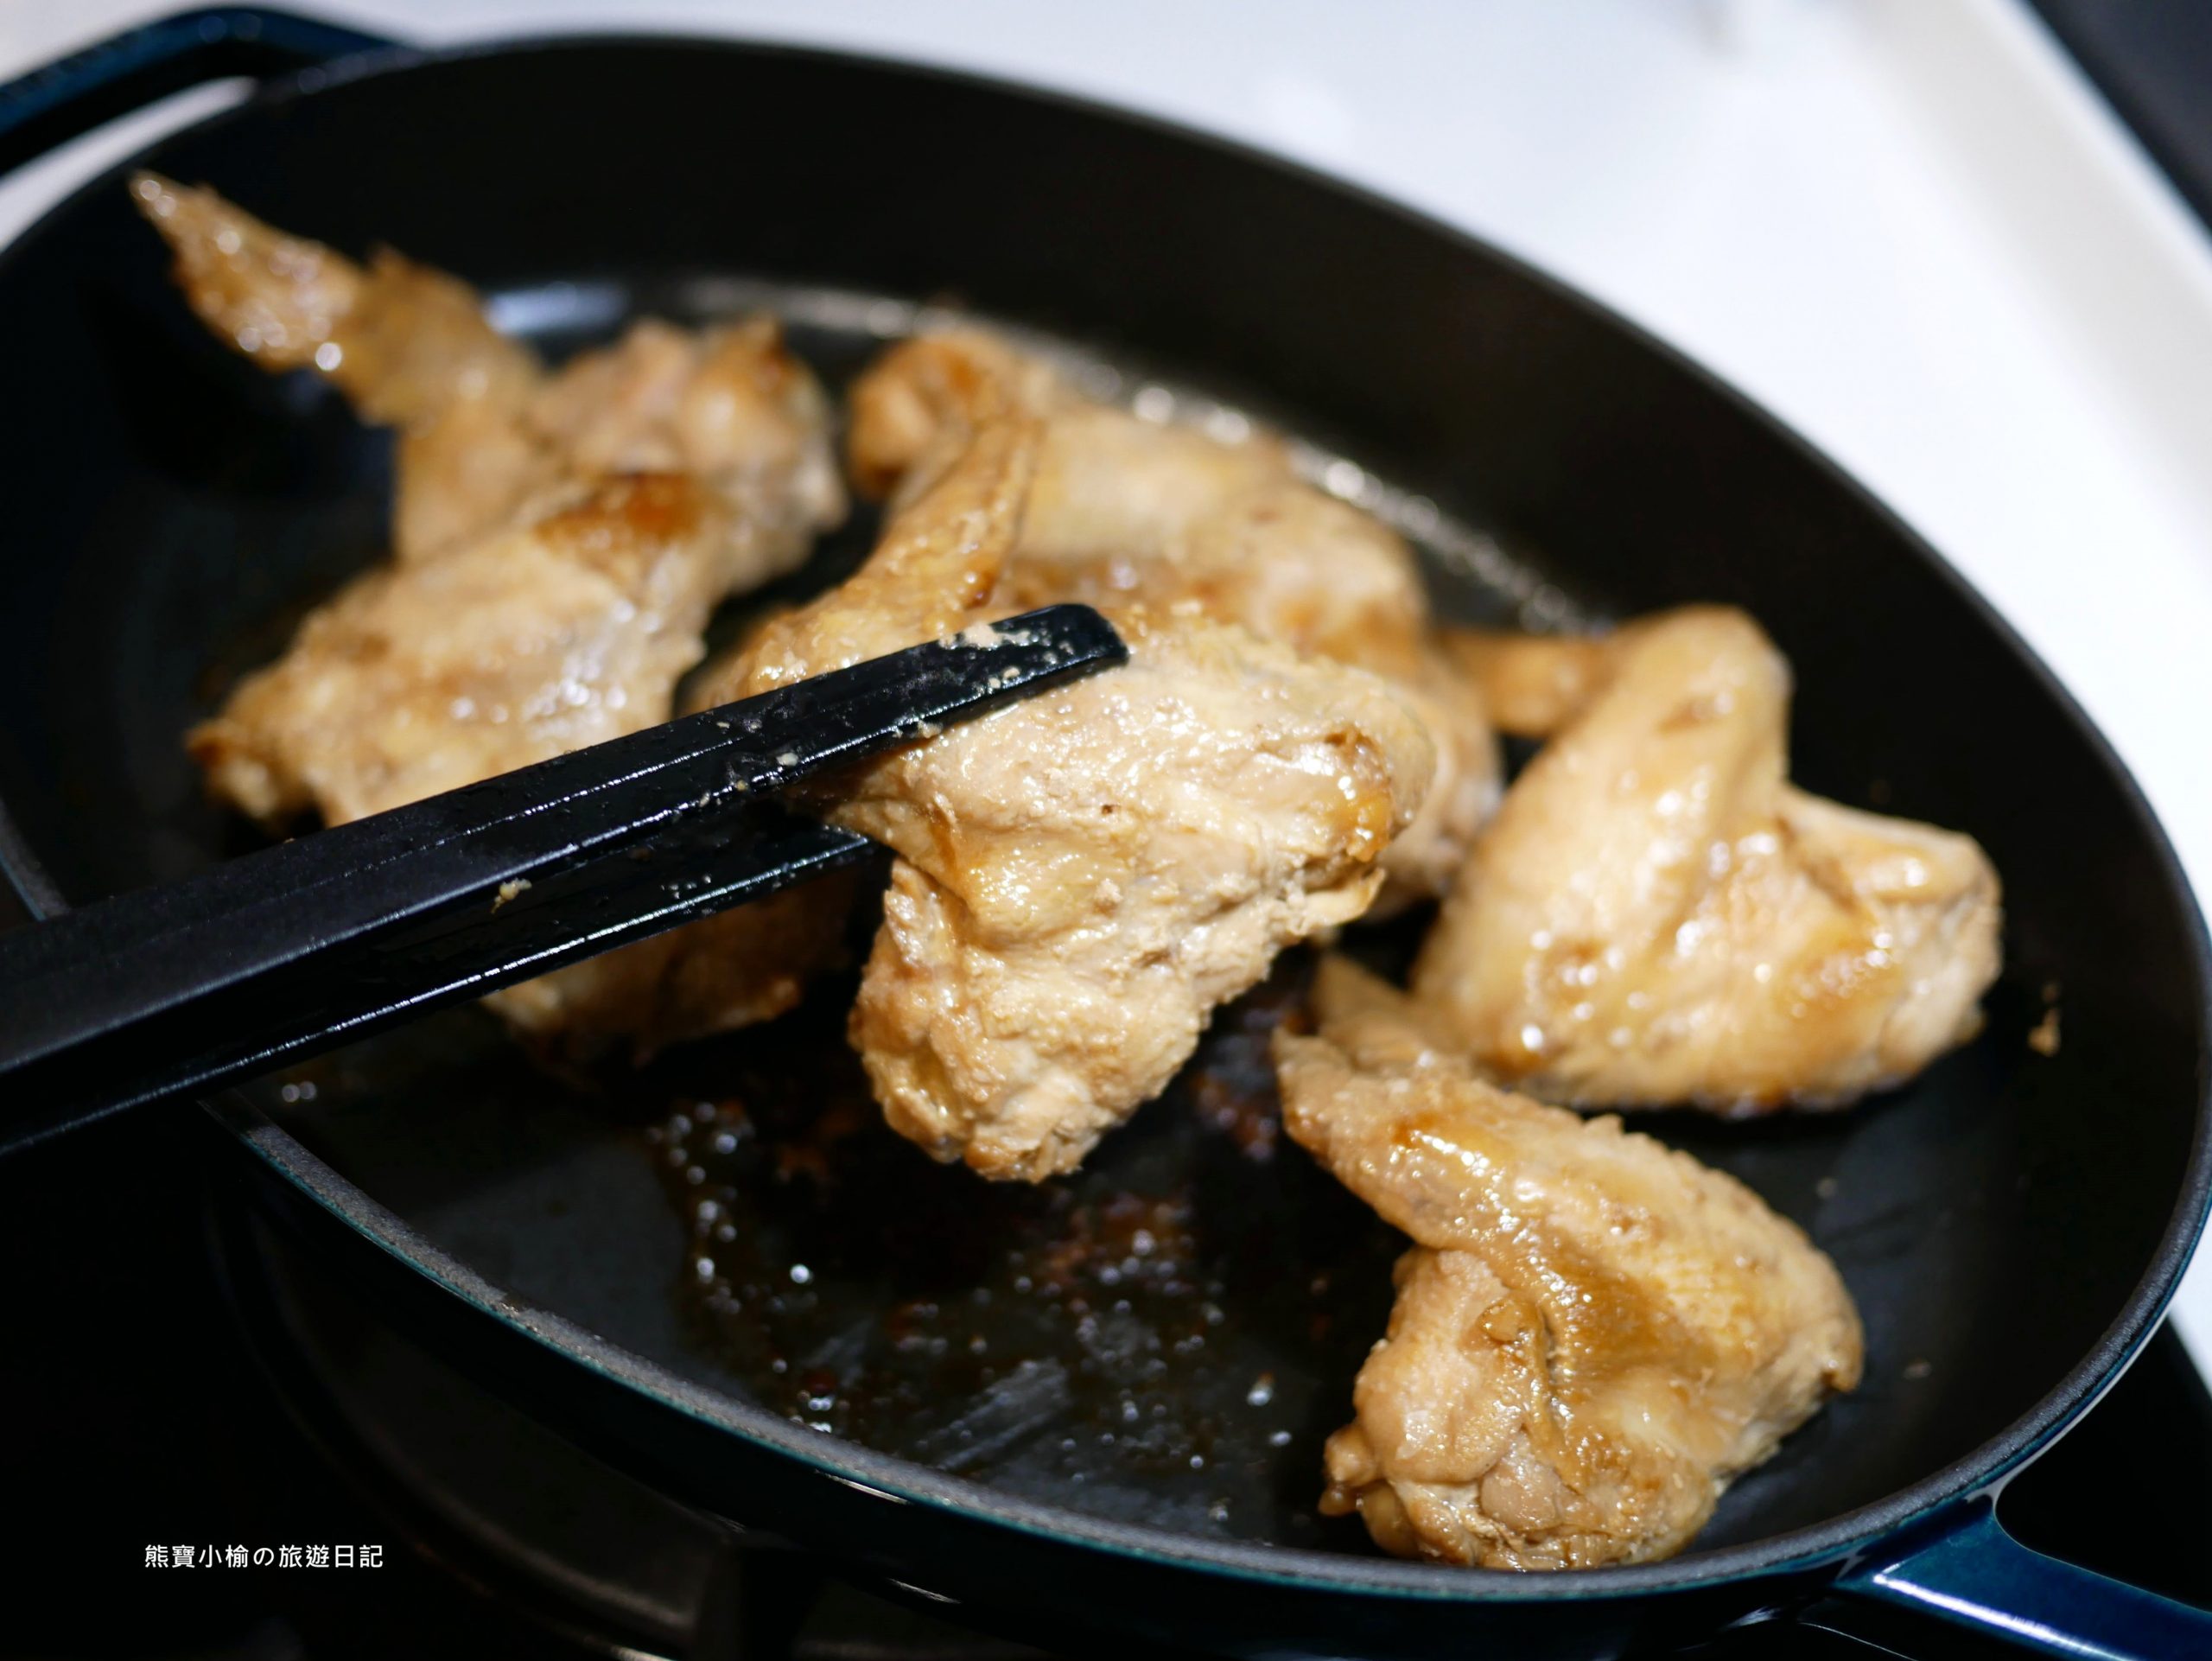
x,y
1907,226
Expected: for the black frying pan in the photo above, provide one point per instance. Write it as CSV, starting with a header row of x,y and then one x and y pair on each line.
x,y
2011,1225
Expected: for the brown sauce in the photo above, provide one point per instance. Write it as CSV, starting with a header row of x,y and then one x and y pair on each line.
x,y
1177,1324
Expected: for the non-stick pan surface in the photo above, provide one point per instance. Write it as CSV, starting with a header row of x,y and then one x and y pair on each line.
x,y
1109,1396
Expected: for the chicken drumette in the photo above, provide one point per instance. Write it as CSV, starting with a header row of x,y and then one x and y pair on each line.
x,y
1592,1334
1656,916
1083,877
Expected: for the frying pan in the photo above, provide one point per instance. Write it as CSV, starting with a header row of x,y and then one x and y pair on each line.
x,y
2011,1224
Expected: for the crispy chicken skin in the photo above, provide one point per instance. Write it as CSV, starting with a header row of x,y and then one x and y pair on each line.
x,y
1080,888
1592,1334
1656,917
405,343
1123,510
563,539
520,645
486,434
1084,876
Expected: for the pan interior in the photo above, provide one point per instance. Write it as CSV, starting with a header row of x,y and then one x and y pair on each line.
x,y
1167,1338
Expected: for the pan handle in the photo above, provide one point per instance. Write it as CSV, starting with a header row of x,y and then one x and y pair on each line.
x,y
87,89
1967,1570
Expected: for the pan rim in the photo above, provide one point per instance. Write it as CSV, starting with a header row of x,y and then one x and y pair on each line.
x,y
1831,1541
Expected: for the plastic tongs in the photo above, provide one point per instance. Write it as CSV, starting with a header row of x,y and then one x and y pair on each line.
x,y
309,944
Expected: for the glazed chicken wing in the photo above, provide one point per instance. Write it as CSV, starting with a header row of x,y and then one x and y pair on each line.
x,y
1655,916
1083,877
563,539
1123,510
1592,1334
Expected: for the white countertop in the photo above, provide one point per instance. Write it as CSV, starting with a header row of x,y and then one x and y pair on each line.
x,y
1909,227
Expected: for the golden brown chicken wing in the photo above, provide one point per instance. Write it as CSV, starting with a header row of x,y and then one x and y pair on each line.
x,y
1592,1334
1531,684
1123,512
1655,916
487,435
1083,877
521,644
563,540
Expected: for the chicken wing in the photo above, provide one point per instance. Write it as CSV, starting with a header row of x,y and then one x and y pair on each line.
x,y
1083,877
562,541
486,434
523,645
1123,510
1592,1334
1655,916
1531,684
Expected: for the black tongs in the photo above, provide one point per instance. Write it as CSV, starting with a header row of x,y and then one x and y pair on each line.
x,y
309,944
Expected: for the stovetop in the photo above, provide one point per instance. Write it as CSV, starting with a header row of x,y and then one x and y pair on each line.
x,y
139,1423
